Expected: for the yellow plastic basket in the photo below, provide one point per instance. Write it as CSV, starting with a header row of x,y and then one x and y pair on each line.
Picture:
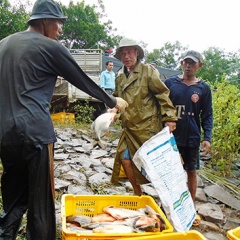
x,y
63,117
91,205
189,235
234,234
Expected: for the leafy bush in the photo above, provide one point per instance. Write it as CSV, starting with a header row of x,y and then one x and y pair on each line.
x,y
226,127
83,112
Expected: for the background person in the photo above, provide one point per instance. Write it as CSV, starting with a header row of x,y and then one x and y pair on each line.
x,y
107,78
193,100
30,62
149,109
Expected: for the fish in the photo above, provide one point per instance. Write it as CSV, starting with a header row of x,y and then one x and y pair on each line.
x,y
102,224
73,228
143,224
101,126
151,221
144,220
79,220
113,229
118,220
121,213
148,228
104,217
157,216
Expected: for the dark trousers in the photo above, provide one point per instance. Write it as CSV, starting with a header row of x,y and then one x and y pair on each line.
x,y
27,185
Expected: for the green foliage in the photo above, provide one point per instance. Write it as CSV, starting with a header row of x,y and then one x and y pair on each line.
x,y
218,63
226,128
12,18
234,69
167,56
83,28
100,189
83,112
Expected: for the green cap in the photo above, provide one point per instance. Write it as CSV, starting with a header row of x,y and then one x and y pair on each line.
x,y
194,55
127,42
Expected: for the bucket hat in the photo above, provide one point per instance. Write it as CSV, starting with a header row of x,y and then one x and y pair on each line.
x,y
194,55
47,9
126,42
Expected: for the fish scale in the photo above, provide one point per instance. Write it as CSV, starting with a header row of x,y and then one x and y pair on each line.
x,y
122,213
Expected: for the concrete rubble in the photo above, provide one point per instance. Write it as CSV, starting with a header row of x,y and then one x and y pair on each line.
x,y
82,169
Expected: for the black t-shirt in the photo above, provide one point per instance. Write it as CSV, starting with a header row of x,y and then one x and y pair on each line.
x,y
29,66
194,110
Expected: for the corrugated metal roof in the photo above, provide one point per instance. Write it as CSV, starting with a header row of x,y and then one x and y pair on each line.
x,y
164,72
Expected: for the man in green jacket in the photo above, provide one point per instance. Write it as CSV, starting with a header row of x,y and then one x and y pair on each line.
x,y
150,109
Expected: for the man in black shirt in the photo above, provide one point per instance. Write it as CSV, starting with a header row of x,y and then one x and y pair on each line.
x,y
30,62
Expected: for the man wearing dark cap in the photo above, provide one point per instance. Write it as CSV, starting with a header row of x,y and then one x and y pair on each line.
x,y
193,100
150,109
30,62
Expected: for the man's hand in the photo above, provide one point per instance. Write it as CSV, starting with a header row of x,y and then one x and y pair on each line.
x,y
206,147
121,104
171,125
114,111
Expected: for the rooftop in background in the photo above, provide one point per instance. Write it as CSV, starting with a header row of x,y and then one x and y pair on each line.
x,y
164,72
